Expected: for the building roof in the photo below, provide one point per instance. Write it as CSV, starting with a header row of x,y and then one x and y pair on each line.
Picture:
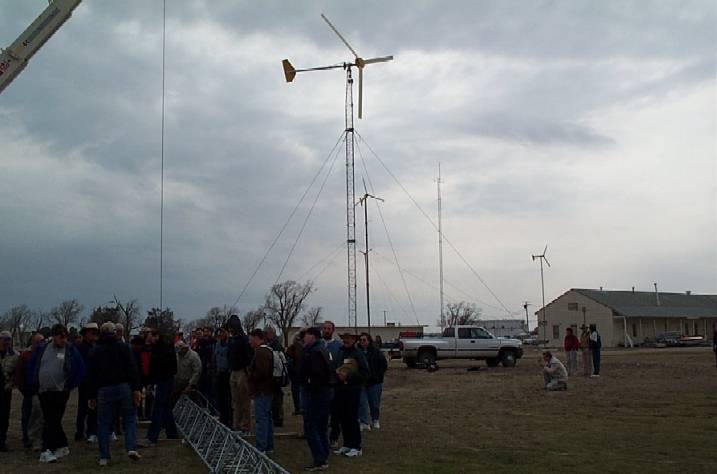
x,y
644,303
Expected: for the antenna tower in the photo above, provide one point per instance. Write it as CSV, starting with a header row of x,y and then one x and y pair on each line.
x,y
544,322
440,246
359,63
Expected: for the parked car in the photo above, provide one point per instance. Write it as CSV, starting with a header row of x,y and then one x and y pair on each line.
x,y
462,342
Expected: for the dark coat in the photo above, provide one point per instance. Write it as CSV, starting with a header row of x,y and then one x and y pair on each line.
x,y
315,369
377,365
240,352
162,362
261,372
357,379
111,363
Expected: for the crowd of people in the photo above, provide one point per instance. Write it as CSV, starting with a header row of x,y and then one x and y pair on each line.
x,y
335,384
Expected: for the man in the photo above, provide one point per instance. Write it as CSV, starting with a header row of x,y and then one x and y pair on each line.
x,y
294,359
333,347
555,375
115,390
240,356
352,375
31,417
56,368
571,344
261,387
222,374
316,395
277,401
205,350
89,333
189,370
595,347
587,356
8,362
119,332
162,369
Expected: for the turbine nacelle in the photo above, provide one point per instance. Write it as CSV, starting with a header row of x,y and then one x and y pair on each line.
x,y
290,71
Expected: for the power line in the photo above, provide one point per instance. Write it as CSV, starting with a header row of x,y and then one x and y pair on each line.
x,y
418,206
291,215
388,235
306,219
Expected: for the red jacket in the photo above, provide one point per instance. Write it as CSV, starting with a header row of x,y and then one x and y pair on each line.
x,y
571,343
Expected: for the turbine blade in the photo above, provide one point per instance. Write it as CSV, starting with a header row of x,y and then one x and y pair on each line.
x,y
545,249
360,104
339,35
546,260
289,71
378,60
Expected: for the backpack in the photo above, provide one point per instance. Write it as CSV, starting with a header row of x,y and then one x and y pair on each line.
x,y
281,369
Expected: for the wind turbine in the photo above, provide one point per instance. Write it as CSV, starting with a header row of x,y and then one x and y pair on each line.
x,y
542,257
357,62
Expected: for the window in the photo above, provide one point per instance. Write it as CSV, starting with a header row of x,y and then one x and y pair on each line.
x,y
480,333
465,333
634,330
572,306
556,332
449,332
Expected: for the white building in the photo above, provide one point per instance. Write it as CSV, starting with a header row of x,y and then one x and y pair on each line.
x,y
624,317
505,327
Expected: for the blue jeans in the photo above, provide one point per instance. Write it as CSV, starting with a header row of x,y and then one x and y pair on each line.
x,y
315,405
596,361
162,416
264,423
112,401
370,400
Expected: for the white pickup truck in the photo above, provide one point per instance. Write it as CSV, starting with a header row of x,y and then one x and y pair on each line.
x,y
462,342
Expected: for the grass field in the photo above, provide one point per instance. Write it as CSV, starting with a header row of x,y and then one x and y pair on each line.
x,y
651,411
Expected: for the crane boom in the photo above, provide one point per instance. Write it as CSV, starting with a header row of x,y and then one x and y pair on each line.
x,y
14,59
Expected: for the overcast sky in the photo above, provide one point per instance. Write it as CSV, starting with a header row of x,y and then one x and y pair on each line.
x,y
589,126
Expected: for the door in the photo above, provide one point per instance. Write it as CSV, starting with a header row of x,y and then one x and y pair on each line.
x,y
487,345
466,344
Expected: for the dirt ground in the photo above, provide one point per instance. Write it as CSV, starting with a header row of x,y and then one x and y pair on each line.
x,y
653,410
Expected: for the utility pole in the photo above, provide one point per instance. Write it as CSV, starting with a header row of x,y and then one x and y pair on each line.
x,y
440,246
584,318
542,287
364,202
527,322
384,318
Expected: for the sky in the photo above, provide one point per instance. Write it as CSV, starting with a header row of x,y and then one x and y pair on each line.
x,y
587,126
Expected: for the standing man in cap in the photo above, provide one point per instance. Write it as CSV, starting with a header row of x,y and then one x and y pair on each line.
x,y
261,386
89,333
240,357
221,376
333,347
56,368
162,369
316,394
352,375
115,390
8,360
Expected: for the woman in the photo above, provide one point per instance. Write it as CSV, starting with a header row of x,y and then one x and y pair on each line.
x,y
371,393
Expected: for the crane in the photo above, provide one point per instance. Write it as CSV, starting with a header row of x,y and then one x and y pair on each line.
x,y
14,59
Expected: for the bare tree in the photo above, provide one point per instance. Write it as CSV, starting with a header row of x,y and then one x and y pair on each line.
x,y
251,319
38,319
312,317
462,314
103,314
67,313
284,302
128,315
163,321
15,320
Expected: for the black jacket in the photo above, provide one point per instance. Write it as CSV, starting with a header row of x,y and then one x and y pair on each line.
x,y
377,365
240,352
111,363
162,362
356,379
315,368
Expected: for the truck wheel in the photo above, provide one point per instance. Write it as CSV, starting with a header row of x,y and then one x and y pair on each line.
x,y
492,362
427,358
508,359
